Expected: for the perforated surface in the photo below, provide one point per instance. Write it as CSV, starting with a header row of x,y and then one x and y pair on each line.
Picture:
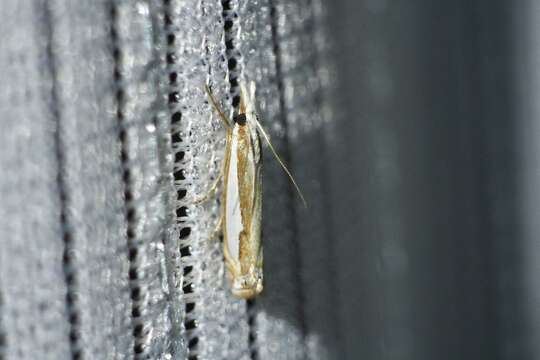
x,y
124,263
407,126
215,323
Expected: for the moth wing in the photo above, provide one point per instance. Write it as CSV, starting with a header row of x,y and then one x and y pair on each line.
x,y
256,219
232,224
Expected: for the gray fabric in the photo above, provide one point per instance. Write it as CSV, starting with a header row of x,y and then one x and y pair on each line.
x,y
92,176
304,103
434,213
32,287
221,322
138,95
296,238
406,124
277,313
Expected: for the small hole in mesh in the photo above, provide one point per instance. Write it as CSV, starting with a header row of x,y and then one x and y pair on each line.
x,y
70,278
184,232
232,63
120,98
122,135
139,348
185,251
193,342
190,307
136,312
179,156
174,97
168,20
116,75
228,24
131,214
170,39
173,77
77,355
181,193
192,324
133,254
176,138
131,233
236,101
179,175
226,4
229,44
74,319
193,357
171,58
70,299
137,330
176,117
187,270
133,274
181,211
136,293
65,258
73,336
188,289
124,158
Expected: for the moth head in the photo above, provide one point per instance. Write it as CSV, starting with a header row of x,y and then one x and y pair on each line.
x,y
247,98
240,119
249,285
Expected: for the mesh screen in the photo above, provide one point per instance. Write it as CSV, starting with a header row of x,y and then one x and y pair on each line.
x,y
411,128
121,259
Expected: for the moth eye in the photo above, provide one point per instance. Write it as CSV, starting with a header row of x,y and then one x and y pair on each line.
x,y
240,119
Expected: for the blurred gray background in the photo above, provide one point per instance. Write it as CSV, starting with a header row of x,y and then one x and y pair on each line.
x,y
411,126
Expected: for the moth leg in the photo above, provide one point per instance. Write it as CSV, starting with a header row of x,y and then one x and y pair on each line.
x,y
210,194
216,107
218,229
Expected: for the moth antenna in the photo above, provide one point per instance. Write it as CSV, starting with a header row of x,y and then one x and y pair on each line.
x,y
216,106
252,89
267,138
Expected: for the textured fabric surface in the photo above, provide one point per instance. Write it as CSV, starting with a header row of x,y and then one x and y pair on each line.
x,y
127,144
215,322
33,316
96,247
411,128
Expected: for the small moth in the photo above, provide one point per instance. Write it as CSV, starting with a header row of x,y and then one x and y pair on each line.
x,y
241,212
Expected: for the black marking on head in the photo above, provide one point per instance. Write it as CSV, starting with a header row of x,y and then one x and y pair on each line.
x,y
240,119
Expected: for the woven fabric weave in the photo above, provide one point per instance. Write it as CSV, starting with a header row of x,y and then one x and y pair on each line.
x,y
106,252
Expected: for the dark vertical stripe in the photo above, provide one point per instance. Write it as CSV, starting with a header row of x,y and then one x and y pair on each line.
x,y
67,237
136,290
163,123
188,288
2,329
230,24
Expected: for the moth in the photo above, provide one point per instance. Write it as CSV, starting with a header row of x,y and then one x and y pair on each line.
x,y
241,212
